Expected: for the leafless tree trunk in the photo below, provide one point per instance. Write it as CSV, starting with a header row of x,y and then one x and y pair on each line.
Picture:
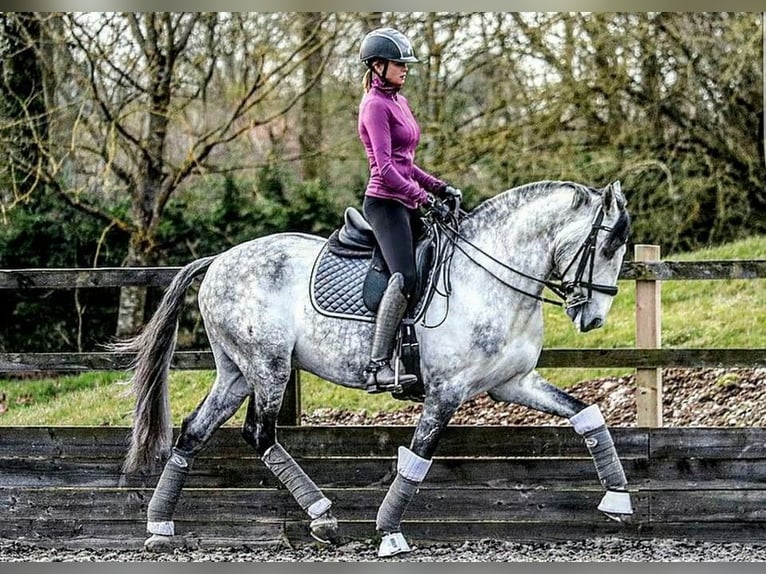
x,y
312,118
143,103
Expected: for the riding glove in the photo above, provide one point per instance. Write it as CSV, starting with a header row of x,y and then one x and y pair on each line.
x,y
451,192
439,208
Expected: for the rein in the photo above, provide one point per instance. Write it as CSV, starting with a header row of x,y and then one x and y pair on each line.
x,y
448,225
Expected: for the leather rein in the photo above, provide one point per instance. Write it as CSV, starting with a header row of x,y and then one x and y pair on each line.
x,y
585,258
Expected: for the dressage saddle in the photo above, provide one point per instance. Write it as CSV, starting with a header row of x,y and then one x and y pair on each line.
x,y
350,277
355,239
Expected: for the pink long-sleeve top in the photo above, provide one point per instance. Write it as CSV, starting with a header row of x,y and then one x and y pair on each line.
x,y
390,135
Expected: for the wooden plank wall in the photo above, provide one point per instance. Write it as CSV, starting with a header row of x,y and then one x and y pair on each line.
x,y
62,487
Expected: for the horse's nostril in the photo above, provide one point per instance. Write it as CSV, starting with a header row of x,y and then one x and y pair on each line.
x,y
595,323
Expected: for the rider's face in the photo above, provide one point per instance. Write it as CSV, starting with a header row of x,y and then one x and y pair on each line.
x,y
396,72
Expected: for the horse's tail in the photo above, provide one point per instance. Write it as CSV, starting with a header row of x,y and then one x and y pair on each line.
x,y
153,347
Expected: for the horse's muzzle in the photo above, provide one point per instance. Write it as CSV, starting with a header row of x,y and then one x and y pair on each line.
x,y
595,323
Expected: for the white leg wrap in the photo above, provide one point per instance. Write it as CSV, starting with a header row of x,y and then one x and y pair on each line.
x,y
410,472
159,512
615,502
588,419
319,507
392,544
411,466
292,476
165,527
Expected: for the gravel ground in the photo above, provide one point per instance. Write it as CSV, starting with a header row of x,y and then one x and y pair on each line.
x,y
700,397
591,550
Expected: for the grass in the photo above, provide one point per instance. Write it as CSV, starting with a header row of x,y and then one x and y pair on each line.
x,y
723,313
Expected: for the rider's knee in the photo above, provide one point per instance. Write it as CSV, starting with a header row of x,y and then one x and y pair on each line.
x,y
408,288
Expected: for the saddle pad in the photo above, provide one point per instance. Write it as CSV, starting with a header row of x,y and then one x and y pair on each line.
x,y
337,286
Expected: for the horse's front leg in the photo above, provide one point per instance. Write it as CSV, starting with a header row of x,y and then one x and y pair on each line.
x,y
412,466
535,392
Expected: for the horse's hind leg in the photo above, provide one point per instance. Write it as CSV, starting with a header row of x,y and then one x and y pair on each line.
x,y
226,396
259,431
535,392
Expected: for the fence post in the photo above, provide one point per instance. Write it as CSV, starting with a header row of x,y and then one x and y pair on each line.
x,y
290,413
648,336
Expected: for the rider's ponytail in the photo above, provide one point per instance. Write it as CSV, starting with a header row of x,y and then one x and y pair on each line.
x,y
367,80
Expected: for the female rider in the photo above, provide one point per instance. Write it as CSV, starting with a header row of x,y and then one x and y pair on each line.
x,y
395,190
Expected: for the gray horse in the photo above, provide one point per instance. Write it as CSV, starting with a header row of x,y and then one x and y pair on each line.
x,y
487,337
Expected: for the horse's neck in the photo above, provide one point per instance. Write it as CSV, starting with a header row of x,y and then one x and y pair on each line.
x,y
520,234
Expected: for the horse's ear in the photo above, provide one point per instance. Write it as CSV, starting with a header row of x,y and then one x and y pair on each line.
x,y
612,195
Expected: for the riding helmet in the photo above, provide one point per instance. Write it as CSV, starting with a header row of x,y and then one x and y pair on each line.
x,y
386,44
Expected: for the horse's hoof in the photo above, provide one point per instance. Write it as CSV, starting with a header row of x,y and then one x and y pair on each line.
x,y
325,529
158,543
393,543
621,518
616,505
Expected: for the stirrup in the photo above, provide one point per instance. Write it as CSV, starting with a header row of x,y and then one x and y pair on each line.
x,y
401,380
414,392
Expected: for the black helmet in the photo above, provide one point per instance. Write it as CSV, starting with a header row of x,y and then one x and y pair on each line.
x,y
387,44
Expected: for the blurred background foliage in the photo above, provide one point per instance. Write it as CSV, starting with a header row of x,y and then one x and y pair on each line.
x,y
155,138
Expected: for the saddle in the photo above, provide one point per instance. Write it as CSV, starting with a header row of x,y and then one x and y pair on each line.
x,y
350,276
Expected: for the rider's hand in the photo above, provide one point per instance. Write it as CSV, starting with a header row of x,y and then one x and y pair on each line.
x,y
439,208
450,192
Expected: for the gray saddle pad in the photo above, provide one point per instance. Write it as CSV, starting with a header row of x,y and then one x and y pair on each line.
x,y
337,285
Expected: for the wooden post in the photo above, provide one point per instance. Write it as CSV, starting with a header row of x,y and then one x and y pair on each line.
x,y
290,413
648,336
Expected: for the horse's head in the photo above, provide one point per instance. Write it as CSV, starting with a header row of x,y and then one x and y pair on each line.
x,y
589,256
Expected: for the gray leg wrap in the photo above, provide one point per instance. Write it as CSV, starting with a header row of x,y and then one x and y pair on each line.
x,y
397,499
410,472
292,476
163,503
590,423
608,466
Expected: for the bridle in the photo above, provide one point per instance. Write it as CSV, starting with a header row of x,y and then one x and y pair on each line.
x,y
587,258
584,258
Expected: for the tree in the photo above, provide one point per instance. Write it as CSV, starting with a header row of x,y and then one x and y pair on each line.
x,y
22,106
164,127
153,100
312,119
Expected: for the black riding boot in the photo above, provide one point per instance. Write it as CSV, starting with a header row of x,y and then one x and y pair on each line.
x,y
380,375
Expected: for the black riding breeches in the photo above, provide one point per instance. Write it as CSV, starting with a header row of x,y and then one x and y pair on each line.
x,y
395,227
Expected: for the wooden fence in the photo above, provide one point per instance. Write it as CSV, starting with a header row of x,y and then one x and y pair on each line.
x,y
62,487
648,357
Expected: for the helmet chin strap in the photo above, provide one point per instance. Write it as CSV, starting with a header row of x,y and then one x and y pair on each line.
x,y
381,75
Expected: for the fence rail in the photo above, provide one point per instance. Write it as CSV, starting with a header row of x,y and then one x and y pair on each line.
x,y
70,278
15,363
646,271
63,486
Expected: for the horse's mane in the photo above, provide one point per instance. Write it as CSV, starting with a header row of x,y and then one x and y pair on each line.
x,y
514,197
505,203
